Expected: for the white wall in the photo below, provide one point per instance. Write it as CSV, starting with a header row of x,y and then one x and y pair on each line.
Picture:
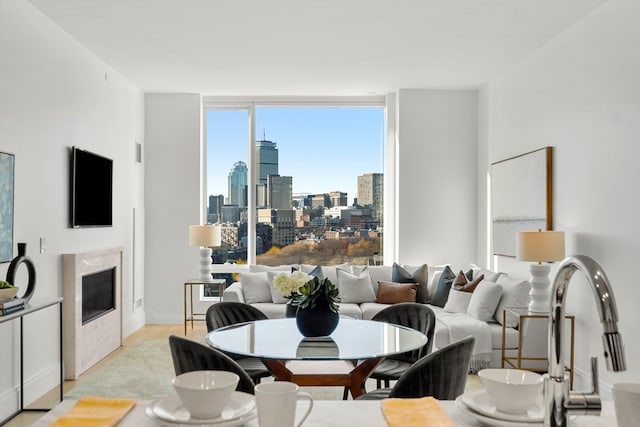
x,y
173,201
437,132
581,95
53,95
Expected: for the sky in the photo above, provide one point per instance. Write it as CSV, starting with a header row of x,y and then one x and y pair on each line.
x,y
323,149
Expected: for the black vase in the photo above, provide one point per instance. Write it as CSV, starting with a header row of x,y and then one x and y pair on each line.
x,y
318,321
22,258
291,309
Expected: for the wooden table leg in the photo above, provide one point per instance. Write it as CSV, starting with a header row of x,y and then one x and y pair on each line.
x,y
354,378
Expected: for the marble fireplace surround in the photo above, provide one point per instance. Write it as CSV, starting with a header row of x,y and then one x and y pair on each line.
x,y
85,345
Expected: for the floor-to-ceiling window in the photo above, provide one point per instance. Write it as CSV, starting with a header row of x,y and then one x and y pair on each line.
x,y
296,181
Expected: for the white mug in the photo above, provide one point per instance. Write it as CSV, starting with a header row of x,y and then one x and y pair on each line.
x,y
277,401
626,400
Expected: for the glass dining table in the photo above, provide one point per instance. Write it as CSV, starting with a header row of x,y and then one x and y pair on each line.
x,y
345,358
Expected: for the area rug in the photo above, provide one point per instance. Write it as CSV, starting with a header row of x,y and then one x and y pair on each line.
x,y
144,371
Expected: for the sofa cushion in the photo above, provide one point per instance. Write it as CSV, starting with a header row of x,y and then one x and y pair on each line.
x,y
259,268
458,301
445,281
515,293
355,287
484,300
379,273
351,310
419,275
393,292
255,287
370,309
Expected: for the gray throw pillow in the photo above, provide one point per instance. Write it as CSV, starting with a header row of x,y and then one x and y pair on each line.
x,y
419,275
444,287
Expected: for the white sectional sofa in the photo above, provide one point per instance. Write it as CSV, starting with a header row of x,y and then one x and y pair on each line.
x,y
459,314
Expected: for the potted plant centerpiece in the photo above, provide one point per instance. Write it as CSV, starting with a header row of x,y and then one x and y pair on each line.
x,y
317,302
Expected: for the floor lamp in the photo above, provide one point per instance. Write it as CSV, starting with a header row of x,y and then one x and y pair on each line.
x,y
205,236
540,247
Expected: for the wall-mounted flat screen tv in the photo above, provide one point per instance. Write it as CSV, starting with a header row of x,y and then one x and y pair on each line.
x,y
91,189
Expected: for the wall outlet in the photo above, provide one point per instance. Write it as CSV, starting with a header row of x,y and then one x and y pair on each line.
x,y
43,245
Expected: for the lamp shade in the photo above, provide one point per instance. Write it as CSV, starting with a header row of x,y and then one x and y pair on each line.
x,y
540,246
205,235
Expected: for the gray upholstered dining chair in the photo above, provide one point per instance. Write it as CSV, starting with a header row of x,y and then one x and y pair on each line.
x,y
412,315
441,374
188,355
227,313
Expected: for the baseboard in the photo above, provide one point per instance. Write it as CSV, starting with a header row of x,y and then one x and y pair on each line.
x,y
163,319
34,387
134,322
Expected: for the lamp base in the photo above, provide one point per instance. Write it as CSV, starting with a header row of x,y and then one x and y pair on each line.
x,y
205,264
540,293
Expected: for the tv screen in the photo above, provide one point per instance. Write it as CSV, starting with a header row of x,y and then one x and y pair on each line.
x,y
91,189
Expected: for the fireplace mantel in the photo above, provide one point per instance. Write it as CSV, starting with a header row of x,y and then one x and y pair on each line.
x,y
85,345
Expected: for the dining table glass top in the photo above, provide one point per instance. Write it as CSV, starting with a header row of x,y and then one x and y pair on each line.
x,y
353,339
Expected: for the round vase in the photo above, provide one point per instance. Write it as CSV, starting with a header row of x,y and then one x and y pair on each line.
x,y
22,258
318,321
291,309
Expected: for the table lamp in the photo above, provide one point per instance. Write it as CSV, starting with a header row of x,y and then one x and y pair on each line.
x,y
205,236
540,247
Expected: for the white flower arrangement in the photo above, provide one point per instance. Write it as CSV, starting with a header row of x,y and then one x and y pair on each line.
x,y
288,285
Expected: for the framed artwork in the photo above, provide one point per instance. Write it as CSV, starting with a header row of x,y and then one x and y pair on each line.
x,y
521,198
7,170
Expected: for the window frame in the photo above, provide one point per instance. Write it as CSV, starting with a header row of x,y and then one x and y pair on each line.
x,y
249,104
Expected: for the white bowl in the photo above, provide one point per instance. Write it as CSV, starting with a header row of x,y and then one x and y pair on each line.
x,y
512,391
205,393
7,293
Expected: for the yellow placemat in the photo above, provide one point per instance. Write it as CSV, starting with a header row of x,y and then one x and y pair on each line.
x,y
96,412
423,412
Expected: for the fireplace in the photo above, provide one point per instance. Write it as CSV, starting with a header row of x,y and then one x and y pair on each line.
x,y
98,294
91,308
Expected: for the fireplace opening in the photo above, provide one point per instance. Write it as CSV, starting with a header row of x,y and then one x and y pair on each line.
x,y
98,294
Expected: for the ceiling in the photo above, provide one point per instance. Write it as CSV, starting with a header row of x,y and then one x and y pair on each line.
x,y
312,47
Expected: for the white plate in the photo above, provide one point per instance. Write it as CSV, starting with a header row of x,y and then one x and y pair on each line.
x,y
172,410
488,421
231,423
480,402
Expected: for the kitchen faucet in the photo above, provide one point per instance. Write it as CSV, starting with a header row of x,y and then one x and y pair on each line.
x,y
558,400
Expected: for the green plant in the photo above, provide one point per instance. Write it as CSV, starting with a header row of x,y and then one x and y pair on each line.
x,y
315,291
4,284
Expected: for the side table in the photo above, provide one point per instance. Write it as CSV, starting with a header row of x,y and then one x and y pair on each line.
x,y
190,315
516,362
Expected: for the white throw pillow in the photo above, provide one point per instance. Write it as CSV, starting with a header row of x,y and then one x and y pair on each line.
x,y
515,293
484,300
255,287
458,301
275,295
329,272
355,288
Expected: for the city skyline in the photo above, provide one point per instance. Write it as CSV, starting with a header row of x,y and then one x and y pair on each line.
x,y
336,146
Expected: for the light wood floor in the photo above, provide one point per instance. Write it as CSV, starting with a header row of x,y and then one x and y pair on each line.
x,y
146,332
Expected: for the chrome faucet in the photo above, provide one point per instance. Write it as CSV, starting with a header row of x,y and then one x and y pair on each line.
x,y
558,400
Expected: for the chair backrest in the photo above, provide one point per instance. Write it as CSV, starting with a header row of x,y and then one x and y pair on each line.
x,y
231,312
412,315
441,374
188,355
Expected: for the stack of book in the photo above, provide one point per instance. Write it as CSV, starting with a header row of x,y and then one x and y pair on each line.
x,y
13,305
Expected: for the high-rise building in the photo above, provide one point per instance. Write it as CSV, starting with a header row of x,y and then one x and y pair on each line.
x,y
282,222
338,198
238,185
279,191
321,200
214,212
370,193
266,160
